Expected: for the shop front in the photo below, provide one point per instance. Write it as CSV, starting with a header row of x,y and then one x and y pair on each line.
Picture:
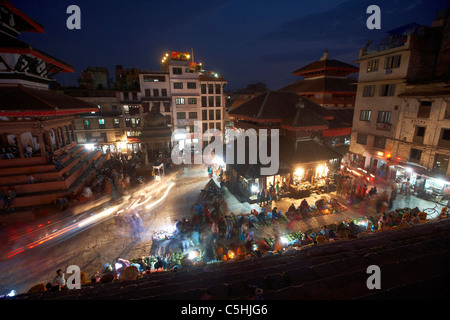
x,y
133,144
313,177
247,182
418,181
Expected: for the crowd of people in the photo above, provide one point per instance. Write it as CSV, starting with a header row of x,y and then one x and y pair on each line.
x,y
210,234
272,192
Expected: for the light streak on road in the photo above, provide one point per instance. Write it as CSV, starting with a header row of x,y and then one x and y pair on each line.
x,y
162,198
145,195
97,217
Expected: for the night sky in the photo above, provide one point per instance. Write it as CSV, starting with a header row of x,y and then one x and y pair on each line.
x,y
246,41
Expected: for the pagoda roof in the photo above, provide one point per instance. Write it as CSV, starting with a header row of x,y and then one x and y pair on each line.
x,y
326,64
22,21
322,84
288,108
18,100
10,44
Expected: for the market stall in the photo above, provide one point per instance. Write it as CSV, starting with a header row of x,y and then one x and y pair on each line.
x,y
314,178
417,181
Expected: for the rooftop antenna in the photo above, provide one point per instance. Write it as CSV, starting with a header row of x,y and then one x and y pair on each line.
x,y
192,55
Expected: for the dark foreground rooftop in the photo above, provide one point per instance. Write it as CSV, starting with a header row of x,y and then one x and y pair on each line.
x,y
414,264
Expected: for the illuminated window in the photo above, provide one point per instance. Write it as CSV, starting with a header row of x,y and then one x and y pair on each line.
x,y
384,117
372,65
179,101
365,115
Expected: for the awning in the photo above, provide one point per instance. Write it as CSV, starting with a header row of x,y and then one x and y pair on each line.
x,y
337,132
408,165
417,169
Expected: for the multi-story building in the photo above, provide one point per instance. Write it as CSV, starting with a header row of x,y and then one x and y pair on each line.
x,y
156,94
213,101
406,54
104,128
181,91
196,95
401,127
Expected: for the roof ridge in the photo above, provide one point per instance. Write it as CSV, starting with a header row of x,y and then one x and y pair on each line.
x,y
263,104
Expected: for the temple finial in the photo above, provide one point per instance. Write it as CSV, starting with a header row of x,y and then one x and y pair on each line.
x,y
325,55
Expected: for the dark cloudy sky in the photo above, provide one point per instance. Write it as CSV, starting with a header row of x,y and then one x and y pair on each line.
x,y
246,41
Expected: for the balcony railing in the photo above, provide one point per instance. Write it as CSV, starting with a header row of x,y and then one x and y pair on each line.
x,y
383,126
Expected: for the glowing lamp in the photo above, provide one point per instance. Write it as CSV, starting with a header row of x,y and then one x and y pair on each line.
x,y
193,254
299,172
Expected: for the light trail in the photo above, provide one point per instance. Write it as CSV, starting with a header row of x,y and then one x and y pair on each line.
x,y
97,217
135,203
162,198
